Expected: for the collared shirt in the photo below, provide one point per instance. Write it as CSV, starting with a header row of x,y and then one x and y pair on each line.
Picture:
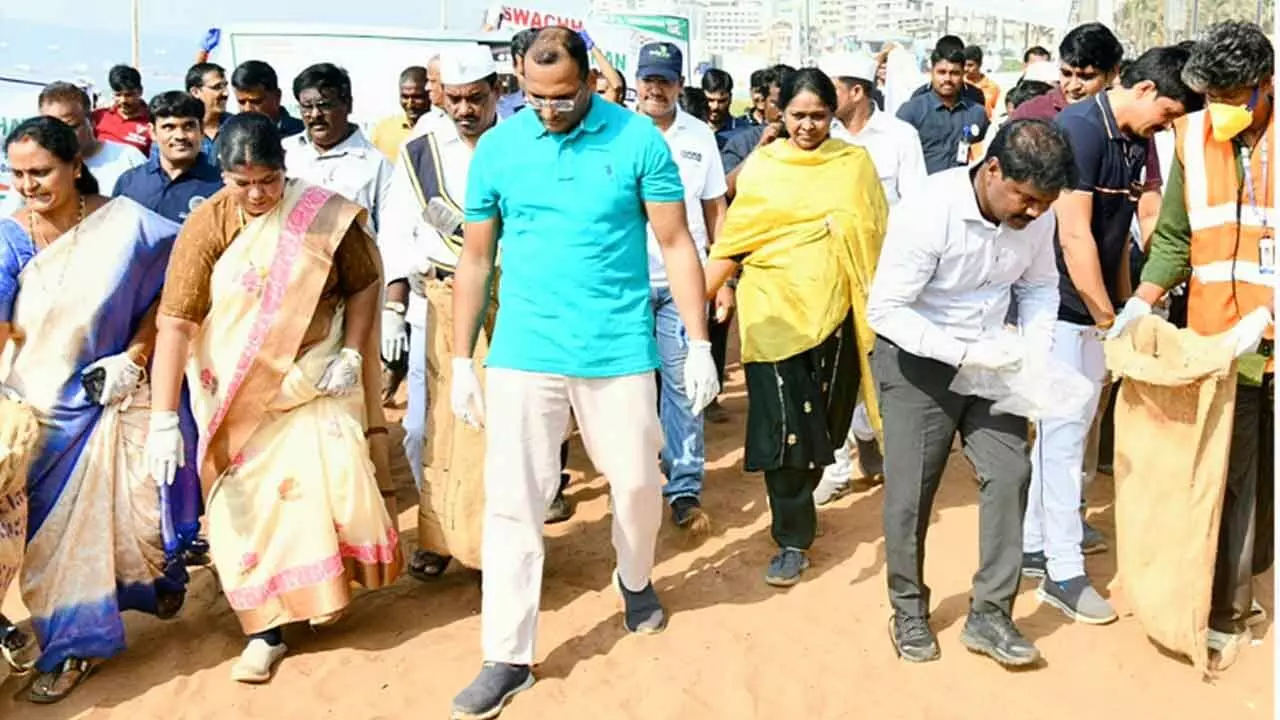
x,y
693,146
740,146
945,273
110,125
574,296
288,125
731,128
406,240
151,187
353,168
510,104
990,93
894,147
1109,166
390,134
428,122
943,129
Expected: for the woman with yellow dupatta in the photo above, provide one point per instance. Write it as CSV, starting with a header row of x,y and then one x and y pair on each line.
x,y
805,228
271,303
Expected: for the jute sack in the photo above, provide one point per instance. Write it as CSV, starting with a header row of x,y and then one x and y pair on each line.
x,y
19,442
1173,421
451,506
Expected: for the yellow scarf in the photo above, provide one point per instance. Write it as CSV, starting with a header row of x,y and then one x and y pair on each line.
x,y
807,227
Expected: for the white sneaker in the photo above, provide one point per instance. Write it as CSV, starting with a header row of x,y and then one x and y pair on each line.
x,y
1224,648
257,661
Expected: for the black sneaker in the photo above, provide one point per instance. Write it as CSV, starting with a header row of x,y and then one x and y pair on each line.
x,y
786,567
687,514
559,510
1092,541
1034,564
913,639
643,613
492,689
994,634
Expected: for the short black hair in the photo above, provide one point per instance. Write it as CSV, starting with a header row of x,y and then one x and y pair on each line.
x,y
1230,56
1091,45
776,76
521,42
65,92
1035,51
176,104
716,80
973,54
947,54
250,138
807,80
123,78
196,73
1026,90
947,43
253,74
694,102
1034,151
413,73
553,44
759,80
1163,67
321,77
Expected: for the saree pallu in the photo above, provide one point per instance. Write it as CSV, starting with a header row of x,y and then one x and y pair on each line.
x,y
95,546
294,510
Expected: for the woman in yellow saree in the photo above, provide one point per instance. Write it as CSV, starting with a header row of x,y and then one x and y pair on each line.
x,y
270,303
805,229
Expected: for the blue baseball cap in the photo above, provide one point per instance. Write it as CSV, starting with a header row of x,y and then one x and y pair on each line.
x,y
660,59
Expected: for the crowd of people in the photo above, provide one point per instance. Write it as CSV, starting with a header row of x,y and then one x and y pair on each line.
x,y
261,284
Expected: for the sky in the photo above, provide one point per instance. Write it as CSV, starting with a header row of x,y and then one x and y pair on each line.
x,y
67,39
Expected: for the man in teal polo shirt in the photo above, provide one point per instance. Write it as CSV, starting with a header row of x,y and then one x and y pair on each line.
x,y
566,191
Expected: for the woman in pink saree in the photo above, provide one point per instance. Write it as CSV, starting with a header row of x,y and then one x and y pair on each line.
x,y
269,306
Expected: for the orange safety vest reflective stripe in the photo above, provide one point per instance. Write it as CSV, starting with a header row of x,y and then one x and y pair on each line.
x,y
1227,279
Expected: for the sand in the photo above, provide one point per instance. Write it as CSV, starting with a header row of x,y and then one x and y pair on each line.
x,y
735,648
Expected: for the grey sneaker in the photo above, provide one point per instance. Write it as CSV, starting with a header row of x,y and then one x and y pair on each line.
x,y
1093,541
1224,648
785,567
1077,599
643,612
490,692
830,490
1034,564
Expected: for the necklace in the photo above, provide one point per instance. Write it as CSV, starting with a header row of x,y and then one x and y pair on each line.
x,y
75,234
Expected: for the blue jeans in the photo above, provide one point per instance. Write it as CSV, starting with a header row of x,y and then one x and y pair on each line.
x,y
415,415
684,443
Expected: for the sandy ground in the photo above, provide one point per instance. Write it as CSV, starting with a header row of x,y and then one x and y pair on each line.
x,y
735,648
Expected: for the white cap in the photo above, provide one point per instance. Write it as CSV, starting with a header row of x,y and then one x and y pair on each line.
x,y
858,67
467,63
1042,71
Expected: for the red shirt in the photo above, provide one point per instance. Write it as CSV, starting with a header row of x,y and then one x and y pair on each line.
x,y
108,125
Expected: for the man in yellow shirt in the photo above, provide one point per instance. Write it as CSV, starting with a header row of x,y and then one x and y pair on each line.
x,y
390,133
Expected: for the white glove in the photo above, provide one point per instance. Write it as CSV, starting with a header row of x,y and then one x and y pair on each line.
x,y
1133,310
8,392
418,277
1247,334
701,381
164,448
342,374
122,377
465,396
992,356
395,334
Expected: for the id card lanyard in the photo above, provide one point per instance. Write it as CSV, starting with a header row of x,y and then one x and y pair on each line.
x,y
1261,215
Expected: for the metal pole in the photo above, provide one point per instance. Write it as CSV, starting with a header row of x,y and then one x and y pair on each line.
x,y
444,14
1195,17
135,24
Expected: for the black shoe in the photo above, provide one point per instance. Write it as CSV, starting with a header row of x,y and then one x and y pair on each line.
x,y
492,689
994,634
559,510
197,553
1034,564
643,612
913,639
687,514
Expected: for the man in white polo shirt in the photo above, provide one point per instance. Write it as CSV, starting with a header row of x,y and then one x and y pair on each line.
x,y
660,76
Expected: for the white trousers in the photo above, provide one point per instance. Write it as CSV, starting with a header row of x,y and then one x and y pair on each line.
x,y
527,415
1052,524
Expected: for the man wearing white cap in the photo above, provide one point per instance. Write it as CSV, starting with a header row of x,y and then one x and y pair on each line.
x,y
894,147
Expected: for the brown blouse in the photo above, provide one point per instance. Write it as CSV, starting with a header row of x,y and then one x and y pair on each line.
x,y
210,230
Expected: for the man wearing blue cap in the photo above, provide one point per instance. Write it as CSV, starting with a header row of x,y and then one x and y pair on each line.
x,y
660,76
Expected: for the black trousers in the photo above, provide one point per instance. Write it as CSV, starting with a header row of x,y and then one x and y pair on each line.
x,y
564,460
921,418
795,517
718,333
1246,539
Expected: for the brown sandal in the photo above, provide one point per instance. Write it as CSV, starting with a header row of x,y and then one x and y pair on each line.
x,y
43,690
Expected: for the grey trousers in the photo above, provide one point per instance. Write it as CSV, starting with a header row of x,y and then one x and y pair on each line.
x,y
921,418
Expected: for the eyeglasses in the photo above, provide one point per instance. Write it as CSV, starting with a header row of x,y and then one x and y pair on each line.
x,y
560,105
217,87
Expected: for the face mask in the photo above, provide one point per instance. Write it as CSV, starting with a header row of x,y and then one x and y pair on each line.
x,y
1231,120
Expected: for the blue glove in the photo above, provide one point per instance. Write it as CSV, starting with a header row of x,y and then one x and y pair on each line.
x,y
586,38
211,40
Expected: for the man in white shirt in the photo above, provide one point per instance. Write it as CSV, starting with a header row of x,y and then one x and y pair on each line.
x,y
693,146
954,250
333,152
894,147
106,160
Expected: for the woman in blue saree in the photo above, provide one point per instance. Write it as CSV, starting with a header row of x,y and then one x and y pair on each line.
x,y
79,280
